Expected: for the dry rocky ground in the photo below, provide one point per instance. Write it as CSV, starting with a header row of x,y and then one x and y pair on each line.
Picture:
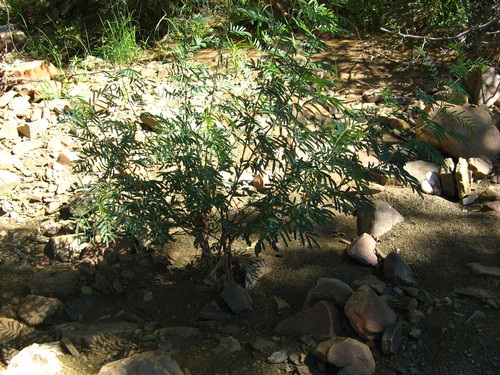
x,y
443,314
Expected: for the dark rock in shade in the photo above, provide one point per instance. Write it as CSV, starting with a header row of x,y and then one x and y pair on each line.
x,y
391,339
11,329
91,335
329,289
346,353
368,313
54,281
158,362
35,310
380,221
237,298
397,271
492,206
212,311
322,321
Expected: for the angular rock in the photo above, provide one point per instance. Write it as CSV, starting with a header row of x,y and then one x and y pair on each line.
x,y
227,345
8,181
462,178
346,352
237,298
70,347
332,290
322,321
33,129
397,271
379,222
281,304
469,199
255,272
8,129
278,357
54,281
35,310
480,166
212,311
6,98
158,362
67,157
368,314
492,193
91,335
43,359
446,176
363,250
10,329
415,316
391,339
62,248
35,70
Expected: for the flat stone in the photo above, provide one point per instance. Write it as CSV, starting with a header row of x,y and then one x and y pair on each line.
x,y
391,339
8,129
67,157
480,166
322,321
363,250
35,310
368,313
6,98
346,352
278,357
90,335
33,70
33,129
237,298
470,199
8,181
415,316
281,304
382,220
157,362
492,193
492,206
261,343
54,281
484,270
397,271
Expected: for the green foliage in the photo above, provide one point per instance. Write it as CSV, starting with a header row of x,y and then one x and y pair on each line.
x,y
118,43
198,173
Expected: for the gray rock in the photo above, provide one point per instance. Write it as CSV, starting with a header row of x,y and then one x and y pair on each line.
x,y
212,311
475,316
391,339
54,281
397,271
332,290
152,363
373,282
43,359
376,223
90,335
35,310
346,352
446,176
363,250
237,298
227,345
261,343
278,357
469,199
415,316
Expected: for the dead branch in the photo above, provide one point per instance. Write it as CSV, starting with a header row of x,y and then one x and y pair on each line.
x,y
457,36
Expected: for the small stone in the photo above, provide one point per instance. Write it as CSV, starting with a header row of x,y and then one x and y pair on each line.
x,y
58,281
415,316
481,166
62,248
7,97
39,359
278,357
477,315
397,271
70,347
415,333
8,181
33,129
363,250
332,290
237,298
469,199
212,311
391,339
281,304
261,343
35,310
228,345
8,129
447,179
148,296
67,157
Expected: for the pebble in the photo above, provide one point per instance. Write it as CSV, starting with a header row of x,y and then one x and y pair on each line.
x,y
278,357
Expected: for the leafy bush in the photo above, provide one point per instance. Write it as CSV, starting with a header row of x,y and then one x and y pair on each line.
x,y
235,163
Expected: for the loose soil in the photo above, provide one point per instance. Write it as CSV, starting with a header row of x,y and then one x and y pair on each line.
x,y
438,238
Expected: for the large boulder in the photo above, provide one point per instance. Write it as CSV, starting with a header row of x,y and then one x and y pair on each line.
x,y
474,124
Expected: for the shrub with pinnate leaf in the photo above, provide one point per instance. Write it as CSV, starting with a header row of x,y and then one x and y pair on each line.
x,y
234,162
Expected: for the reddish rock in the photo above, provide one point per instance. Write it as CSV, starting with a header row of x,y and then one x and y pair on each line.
x,y
322,321
492,206
346,353
369,314
363,250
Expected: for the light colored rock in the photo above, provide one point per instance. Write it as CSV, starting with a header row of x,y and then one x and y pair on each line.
x,y
481,166
469,199
67,157
6,98
33,129
492,193
20,105
8,181
368,314
476,125
379,222
63,247
492,206
8,129
484,270
363,250
35,310
227,345
322,321
10,329
152,363
32,70
43,359
7,161
278,357
427,174
26,146
346,352
462,178
446,176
